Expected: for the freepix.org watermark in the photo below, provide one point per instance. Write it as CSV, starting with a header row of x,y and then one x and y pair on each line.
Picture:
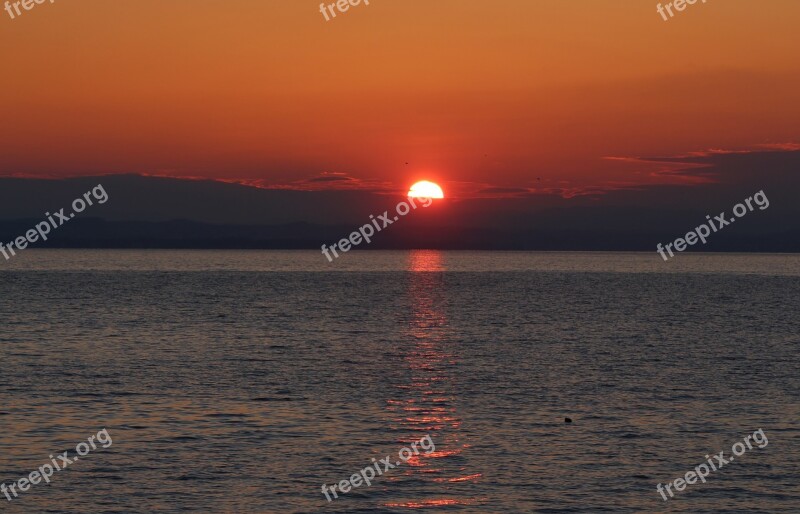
x,y
366,475
341,5
42,229
703,470
703,231
679,6
56,464
367,231
26,4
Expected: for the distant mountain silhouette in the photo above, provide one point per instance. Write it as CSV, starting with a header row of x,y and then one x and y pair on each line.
x,y
155,212
96,233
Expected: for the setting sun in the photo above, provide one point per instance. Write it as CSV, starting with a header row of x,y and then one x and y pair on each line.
x,y
425,189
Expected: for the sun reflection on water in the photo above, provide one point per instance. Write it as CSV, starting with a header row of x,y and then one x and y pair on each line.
x,y
426,405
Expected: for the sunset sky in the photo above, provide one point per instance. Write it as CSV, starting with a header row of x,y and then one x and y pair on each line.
x,y
473,95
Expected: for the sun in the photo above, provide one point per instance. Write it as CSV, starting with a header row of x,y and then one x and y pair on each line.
x,y
425,189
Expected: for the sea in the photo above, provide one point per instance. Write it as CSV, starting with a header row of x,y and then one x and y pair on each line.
x,y
547,382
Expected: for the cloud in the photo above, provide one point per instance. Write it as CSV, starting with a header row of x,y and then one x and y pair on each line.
x,y
703,166
333,177
780,146
498,192
328,181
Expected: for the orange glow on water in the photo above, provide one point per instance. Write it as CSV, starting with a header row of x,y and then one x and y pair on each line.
x,y
426,404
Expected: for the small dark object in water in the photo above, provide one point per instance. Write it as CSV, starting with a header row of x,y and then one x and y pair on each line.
x,y
567,420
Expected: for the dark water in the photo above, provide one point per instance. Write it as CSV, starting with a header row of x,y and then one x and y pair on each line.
x,y
244,381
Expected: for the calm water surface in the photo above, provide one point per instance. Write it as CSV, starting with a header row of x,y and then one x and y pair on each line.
x,y
244,381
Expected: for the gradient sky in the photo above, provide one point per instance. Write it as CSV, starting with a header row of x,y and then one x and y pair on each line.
x,y
471,94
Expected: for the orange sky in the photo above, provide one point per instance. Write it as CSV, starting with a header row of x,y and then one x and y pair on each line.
x,y
495,93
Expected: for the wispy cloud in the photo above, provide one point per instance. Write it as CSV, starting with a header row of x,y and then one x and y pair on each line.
x,y
326,181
